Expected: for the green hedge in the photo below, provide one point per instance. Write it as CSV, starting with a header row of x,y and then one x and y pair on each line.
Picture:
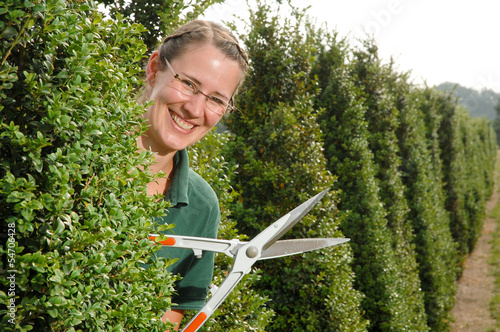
x,y
280,164
71,183
244,309
362,152
431,224
468,155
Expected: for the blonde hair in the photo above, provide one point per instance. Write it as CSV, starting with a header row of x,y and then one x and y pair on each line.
x,y
200,32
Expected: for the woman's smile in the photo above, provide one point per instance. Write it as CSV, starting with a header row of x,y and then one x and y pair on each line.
x,y
181,122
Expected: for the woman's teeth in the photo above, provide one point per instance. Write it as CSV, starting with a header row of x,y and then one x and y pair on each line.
x,y
181,123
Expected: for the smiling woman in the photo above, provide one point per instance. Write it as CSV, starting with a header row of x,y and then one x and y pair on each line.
x,y
191,81
177,120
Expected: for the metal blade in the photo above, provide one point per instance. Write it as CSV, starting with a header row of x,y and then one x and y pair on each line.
x,y
291,247
293,217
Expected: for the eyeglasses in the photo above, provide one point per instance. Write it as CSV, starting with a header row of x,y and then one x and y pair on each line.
x,y
190,88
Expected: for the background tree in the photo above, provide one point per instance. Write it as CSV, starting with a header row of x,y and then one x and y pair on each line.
x,y
478,103
496,122
159,17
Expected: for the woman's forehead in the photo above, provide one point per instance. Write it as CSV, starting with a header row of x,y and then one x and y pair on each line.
x,y
210,68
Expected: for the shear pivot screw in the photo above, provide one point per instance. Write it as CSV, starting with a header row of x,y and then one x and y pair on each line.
x,y
252,252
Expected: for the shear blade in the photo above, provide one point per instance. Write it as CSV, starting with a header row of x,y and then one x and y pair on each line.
x,y
296,246
294,216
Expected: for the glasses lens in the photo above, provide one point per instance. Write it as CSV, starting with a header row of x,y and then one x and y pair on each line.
x,y
216,105
188,88
216,109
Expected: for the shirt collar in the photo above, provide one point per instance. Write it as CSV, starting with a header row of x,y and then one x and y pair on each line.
x,y
177,193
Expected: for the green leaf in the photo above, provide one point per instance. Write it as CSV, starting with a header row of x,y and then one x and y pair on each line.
x,y
58,301
64,73
54,313
59,226
57,278
39,8
28,4
9,32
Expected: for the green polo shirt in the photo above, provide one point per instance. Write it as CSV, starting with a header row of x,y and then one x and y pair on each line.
x,y
195,212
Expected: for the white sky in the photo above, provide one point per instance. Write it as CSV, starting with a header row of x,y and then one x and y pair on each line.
x,y
437,40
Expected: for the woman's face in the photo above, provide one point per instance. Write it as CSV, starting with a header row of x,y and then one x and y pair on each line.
x,y
175,120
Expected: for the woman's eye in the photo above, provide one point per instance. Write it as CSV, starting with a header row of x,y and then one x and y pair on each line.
x,y
190,85
217,100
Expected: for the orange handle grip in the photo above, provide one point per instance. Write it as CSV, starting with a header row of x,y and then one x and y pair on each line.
x,y
168,242
197,322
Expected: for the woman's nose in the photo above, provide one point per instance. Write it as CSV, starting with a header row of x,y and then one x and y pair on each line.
x,y
196,105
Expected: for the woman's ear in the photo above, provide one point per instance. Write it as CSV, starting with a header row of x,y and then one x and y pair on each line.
x,y
152,67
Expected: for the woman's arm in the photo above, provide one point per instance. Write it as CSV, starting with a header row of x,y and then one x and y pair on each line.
x,y
173,316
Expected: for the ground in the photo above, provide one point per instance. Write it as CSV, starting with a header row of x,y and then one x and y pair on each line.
x,y
476,286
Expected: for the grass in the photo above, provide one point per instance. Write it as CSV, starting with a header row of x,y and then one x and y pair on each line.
x,y
495,264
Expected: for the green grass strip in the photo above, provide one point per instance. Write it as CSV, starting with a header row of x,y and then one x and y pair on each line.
x,y
494,261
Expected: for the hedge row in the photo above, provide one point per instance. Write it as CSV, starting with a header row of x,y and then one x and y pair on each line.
x,y
412,172
408,171
276,145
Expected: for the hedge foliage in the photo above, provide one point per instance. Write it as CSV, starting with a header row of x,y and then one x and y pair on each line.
x,y
408,171
280,164
361,149
71,183
245,309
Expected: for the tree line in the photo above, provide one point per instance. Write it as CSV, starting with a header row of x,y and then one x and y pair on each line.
x,y
408,172
478,103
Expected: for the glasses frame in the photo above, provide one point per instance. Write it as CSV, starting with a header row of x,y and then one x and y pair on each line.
x,y
196,89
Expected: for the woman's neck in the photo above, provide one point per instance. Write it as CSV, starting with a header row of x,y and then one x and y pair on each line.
x,y
160,184
163,162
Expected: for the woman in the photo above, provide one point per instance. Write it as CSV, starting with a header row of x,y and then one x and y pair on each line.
x,y
192,79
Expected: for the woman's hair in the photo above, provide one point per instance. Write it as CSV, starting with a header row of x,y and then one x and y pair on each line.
x,y
200,32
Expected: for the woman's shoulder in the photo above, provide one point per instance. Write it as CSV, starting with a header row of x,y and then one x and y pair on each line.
x,y
204,203
199,187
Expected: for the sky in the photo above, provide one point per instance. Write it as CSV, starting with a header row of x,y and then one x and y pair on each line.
x,y
436,40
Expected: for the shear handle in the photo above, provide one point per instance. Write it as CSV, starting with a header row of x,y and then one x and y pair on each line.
x,y
242,265
199,244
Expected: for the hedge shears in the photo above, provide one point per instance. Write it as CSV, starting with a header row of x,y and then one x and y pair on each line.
x,y
263,246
